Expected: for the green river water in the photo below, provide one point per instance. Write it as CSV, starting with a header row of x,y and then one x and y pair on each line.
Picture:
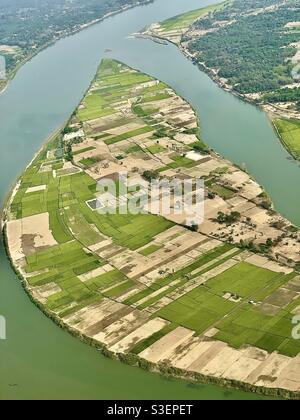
x,y
38,360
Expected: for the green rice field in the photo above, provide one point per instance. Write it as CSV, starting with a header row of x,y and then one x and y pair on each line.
x,y
185,20
289,131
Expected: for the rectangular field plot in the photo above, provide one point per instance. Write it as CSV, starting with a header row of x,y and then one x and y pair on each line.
x,y
193,270
197,310
243,280
64,257
120,289
81,229
106,280
128,135
249,326
130,231
239,321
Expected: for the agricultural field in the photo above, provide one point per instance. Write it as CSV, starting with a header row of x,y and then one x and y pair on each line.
x,y
183,22
152,283
289,131
228,296
173,29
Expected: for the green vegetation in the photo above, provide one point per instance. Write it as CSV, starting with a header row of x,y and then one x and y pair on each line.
x,y
128,135
186,19
73,224
185,273
85,149
157,97
228,219
150,250
97,104
89,162
143,111
252,49
180,162
284,95
150,175
132,231
120,290
134,149
155,149
70,218
289,131
99,256
144,344
223,192
65,262
105,281
250,325
25,27
238,321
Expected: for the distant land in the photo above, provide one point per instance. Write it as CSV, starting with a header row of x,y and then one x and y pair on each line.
x,y
251,49
28,27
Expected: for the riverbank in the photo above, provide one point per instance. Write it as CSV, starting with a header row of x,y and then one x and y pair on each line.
x,y
43,360
273,111
163,369
176,37
14,189
139,297
12,73
132,360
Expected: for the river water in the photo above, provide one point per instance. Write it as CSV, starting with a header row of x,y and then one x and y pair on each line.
x,y
38,360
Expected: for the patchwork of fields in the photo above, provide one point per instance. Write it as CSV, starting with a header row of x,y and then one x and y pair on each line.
x,y
148,284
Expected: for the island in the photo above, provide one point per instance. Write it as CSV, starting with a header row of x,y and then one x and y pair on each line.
x,y
211,302
229,42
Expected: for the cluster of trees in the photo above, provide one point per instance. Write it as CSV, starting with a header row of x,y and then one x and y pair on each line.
x,y
284,95
228,219
252,49
150,175
32,24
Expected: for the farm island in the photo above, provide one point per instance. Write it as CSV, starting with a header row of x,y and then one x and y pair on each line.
x,y
230,42
210,302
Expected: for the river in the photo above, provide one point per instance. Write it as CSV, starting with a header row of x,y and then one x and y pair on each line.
x,y
38,360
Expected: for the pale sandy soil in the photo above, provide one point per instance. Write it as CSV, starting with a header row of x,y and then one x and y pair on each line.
x,y
164,347
139,334
95,273
36,227
121,328
35,189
